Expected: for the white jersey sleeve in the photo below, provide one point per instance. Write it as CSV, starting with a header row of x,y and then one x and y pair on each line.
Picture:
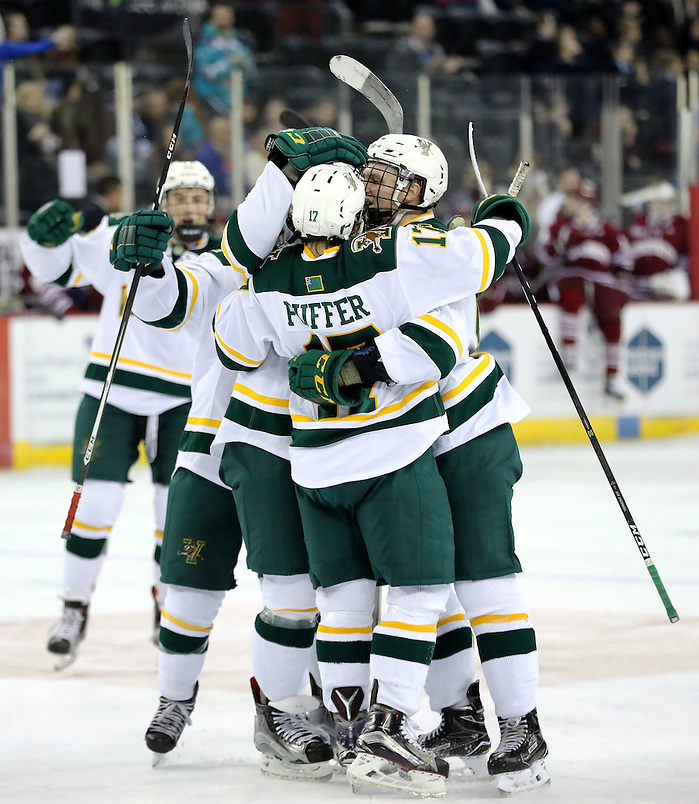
x,y
242,331
188,294
47,264
254,227
462,262
425,348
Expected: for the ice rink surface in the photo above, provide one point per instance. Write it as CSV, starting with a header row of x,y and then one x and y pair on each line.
x,y
619,694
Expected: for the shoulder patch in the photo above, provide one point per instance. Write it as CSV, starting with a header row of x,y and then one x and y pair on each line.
x,y
372,239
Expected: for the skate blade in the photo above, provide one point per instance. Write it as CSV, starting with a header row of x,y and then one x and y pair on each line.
x,y
158,760
473,768
295,771
63,660
510,784
377,772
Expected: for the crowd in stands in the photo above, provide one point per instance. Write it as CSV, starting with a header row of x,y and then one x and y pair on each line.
x,y
64,101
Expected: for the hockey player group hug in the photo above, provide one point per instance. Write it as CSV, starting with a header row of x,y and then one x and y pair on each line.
x,y
339,420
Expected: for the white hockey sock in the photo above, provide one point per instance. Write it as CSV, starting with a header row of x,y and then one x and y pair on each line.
x,y
403,644
506,642
343,640
97,512
186,623
283,638
453,666
80,576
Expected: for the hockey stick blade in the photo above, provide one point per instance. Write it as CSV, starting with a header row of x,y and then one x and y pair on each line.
x,y
356,75
291,119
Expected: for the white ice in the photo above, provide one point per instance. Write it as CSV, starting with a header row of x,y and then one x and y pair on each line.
x,y
619,693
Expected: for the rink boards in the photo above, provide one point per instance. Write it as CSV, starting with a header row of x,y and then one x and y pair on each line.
x,y
42,361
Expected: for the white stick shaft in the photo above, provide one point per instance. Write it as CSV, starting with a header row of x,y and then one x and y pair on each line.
x,y
520,176
474,163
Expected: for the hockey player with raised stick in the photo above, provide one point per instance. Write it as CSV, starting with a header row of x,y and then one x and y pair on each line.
x,y
201,542
150,398
361,456
479,463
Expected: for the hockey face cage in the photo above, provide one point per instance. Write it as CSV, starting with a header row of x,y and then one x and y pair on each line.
x,y
391,183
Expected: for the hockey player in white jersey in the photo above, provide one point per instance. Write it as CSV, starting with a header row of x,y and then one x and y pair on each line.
x,y
372,502
479,462
150,395
202,540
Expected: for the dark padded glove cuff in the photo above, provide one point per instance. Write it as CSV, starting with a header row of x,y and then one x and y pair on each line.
x,y
369,364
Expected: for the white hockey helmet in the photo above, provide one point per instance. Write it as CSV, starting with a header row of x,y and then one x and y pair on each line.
x,y
417,159
187,175
328,200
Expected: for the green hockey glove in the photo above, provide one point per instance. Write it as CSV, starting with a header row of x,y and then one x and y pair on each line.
x,y
502,206
53,223
294,150
315,375
141,238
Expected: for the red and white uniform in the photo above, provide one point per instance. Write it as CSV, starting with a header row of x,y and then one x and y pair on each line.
x,y
592,263
658,246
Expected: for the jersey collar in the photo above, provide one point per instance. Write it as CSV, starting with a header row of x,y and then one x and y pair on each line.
x,y
425,216
327,254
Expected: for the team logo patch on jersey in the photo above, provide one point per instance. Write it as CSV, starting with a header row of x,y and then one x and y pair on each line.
x,y
314,284
371,239
192,549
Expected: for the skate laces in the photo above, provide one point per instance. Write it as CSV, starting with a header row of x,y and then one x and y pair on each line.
x,y
293,728
70,624
408,729
171,717
514,733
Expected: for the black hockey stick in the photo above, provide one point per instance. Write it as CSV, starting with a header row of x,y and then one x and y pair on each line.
x,y
513,191
77,493
291,119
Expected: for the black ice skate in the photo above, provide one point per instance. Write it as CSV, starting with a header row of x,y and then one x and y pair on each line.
x,y
518,761
168,724
291,746
462,733
349,722
611,391
390,756
68,633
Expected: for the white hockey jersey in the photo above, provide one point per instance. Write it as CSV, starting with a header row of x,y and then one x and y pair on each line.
x,y
154,369
346,296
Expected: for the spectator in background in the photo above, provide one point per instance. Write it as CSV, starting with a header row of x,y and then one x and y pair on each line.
x,y
219,51
15,43
420,51
550,206
62,64
542,48
106,200
36,147
215,155
83,120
